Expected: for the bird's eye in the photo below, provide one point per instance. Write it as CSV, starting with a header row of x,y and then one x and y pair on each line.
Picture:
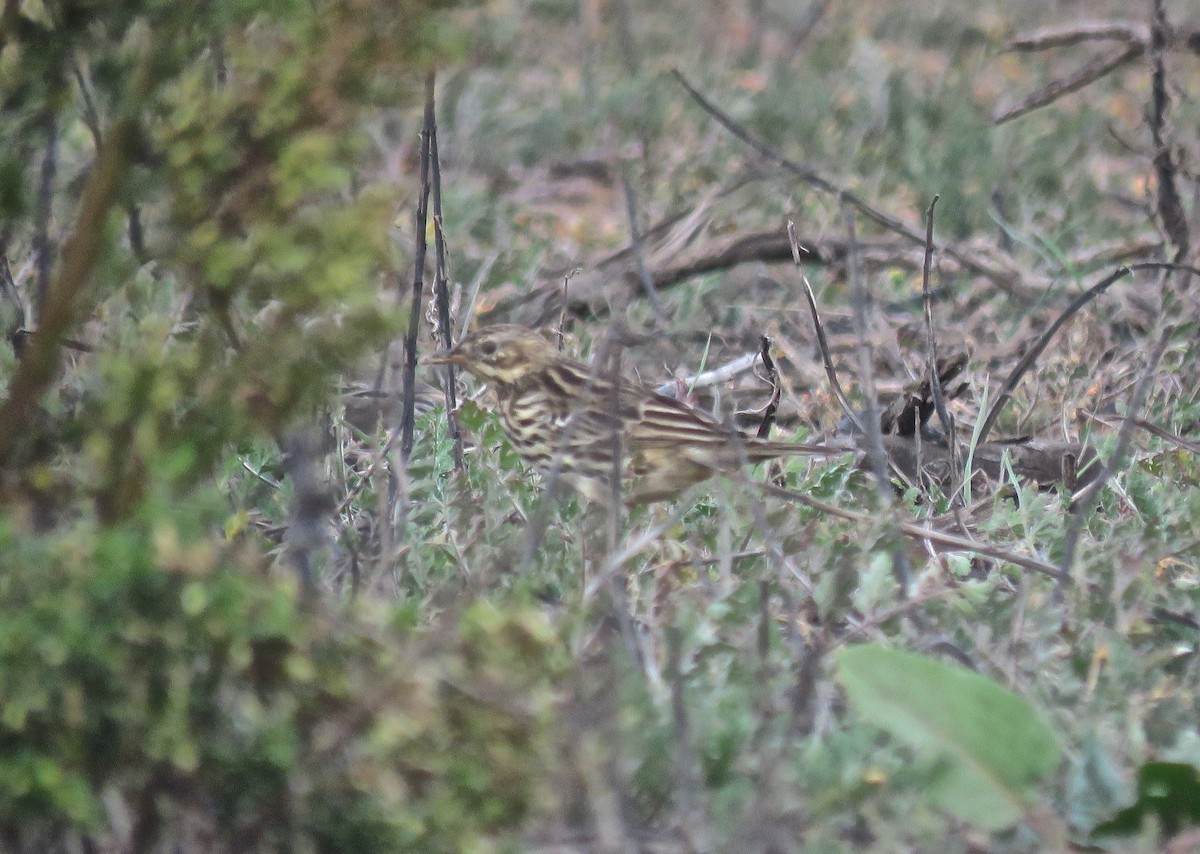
x,y
488,348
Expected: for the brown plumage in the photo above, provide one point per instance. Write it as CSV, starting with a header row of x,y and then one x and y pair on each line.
x,y
559,412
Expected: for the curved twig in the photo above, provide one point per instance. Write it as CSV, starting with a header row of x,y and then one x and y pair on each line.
x,y
1079,302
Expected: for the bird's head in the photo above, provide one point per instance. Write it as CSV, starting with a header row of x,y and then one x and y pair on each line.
x,y
504,354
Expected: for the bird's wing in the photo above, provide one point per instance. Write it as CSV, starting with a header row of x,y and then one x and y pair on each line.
x,y
659,420
664,422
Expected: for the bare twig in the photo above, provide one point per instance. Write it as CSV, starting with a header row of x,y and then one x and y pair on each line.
x,y
822,341
688,783
1056,89
764,247
376,459
860,298
539,520
409,385
768,412
876,455
1127,32
931,355
615,509
1130,32
11,294
1079,302
716,376
1084,502
629,53
308,513
754,247
1184,444
1032,354
43,250
615,514
441,290
562,315
1170,206
923,534
468,313
1000,278
639,255
63,305
91,117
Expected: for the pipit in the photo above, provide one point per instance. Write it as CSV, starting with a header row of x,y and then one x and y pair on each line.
x,y
562,415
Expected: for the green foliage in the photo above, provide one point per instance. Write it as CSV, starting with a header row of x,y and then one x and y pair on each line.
x,y
988,745
150,663
1168,792
156,672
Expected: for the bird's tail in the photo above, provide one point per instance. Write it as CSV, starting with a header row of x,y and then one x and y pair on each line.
x,y
759,450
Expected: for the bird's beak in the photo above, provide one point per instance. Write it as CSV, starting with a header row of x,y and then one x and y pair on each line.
x,y
444,357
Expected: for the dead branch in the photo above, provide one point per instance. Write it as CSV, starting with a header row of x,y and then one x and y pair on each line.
x,y
1170,206
408,405
589,296
64,303
1129,32
822,339
1079,302
1086,74
922,533
768,412
441,292
716,376
1003,279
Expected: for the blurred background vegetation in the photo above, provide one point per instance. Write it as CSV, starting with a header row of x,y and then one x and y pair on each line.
x,y
234,617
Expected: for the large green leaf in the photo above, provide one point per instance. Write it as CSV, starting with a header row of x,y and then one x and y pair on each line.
x,y
989,745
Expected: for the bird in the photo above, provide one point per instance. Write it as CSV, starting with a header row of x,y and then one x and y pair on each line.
x,y
563,415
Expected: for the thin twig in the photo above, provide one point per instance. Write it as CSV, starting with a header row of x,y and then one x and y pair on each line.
x,y
1002,279
686,760
1153,429
859,297
376,459
876,455
1085,501
639,254
63,307
307,533
923,534
768,412
441,290
615,512
91,117
716,376
822,340
562,315
10,293
1053,37
1079,302
931,355
409,385
1170,206
539,520
481,275
1056,89
753,247
43,250
616,448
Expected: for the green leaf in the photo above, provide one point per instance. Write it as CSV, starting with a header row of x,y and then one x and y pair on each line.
x,y
990,746
1170,791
